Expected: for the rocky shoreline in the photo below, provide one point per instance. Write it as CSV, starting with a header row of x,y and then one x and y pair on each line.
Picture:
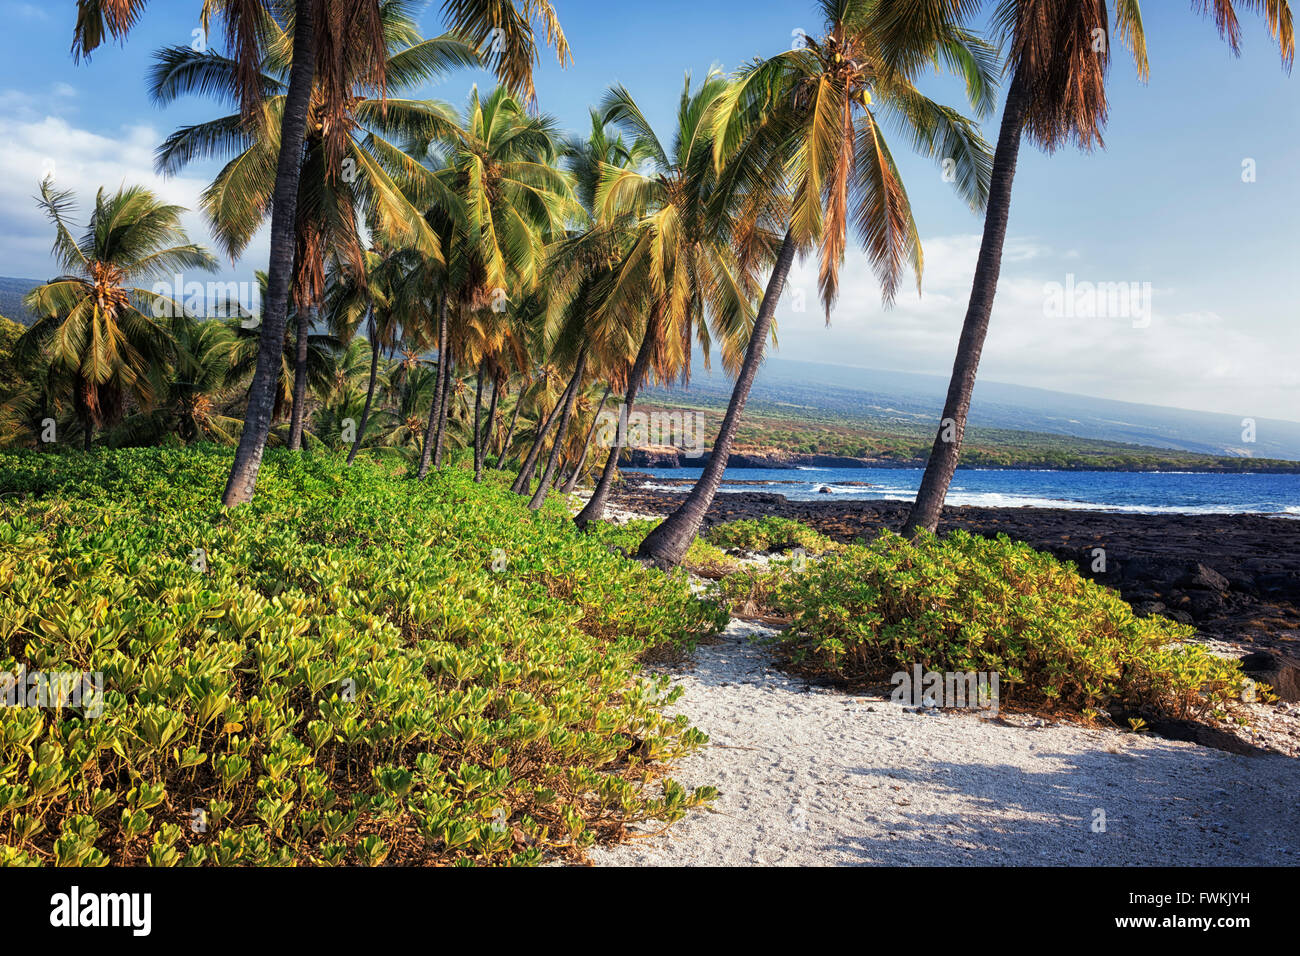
x,y
1236,578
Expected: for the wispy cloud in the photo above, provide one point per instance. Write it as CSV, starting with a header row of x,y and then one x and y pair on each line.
x,y
1186,357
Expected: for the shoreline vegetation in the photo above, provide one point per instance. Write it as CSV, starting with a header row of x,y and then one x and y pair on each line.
x,y
768,440
362,668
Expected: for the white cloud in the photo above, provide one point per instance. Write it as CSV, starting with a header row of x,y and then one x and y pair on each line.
x,y
1185,357
83,162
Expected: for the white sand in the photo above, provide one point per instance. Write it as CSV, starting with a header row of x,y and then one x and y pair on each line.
x,y
810,776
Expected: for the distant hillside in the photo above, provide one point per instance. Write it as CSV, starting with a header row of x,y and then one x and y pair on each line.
x,y
11,299
904,402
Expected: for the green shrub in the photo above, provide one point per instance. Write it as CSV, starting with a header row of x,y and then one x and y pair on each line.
x,y
703,558
768,534
355,668
965,603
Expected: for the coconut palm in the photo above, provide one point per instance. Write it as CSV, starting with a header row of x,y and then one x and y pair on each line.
x,y
809,120
690,274
377,296
246,346
577,333
97,324
411,389
31,394
500,199
1057,93
330,198
580,463
325,29
190,389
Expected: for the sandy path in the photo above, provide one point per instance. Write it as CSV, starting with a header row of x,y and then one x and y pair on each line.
x,y
811,776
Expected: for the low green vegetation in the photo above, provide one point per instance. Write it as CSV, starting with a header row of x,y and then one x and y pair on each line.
x,y
359,668
703,558
354,669
767,535
965,603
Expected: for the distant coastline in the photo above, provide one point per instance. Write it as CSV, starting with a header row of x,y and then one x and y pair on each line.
x,y
677,458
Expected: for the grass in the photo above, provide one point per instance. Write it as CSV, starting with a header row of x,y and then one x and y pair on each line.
x,y
355,669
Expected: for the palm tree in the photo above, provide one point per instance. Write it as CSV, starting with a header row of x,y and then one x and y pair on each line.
x,y
190,389
412,387
578,333
96,323
375,295
692,266
1057,93
323,29
809,118
501,199
585,449
329,198
246,347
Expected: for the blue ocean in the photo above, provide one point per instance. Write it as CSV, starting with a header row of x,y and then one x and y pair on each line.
x,y
1140,492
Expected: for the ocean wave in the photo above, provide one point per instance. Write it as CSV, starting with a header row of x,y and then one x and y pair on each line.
x,y
1119,492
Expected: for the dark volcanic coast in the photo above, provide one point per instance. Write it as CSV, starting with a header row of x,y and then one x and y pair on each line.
x,y
1235,577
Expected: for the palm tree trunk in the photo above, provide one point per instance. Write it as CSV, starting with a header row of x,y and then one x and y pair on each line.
x,y
510,431
478,421
524,480
668,543
487,433
586,446
242,483
543,486
595,508
370,389
952,426
299,381
444,408
435,410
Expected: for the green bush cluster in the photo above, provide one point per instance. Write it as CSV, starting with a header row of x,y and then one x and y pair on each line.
x,y
768,534
356,668
966,603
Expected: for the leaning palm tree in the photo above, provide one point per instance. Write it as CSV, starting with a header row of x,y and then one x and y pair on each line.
x,y
581,269
691,273
1057,93
97,324
592,411
809,121
324,29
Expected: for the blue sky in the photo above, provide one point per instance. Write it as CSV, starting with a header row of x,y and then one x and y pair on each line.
x,y
1163,205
